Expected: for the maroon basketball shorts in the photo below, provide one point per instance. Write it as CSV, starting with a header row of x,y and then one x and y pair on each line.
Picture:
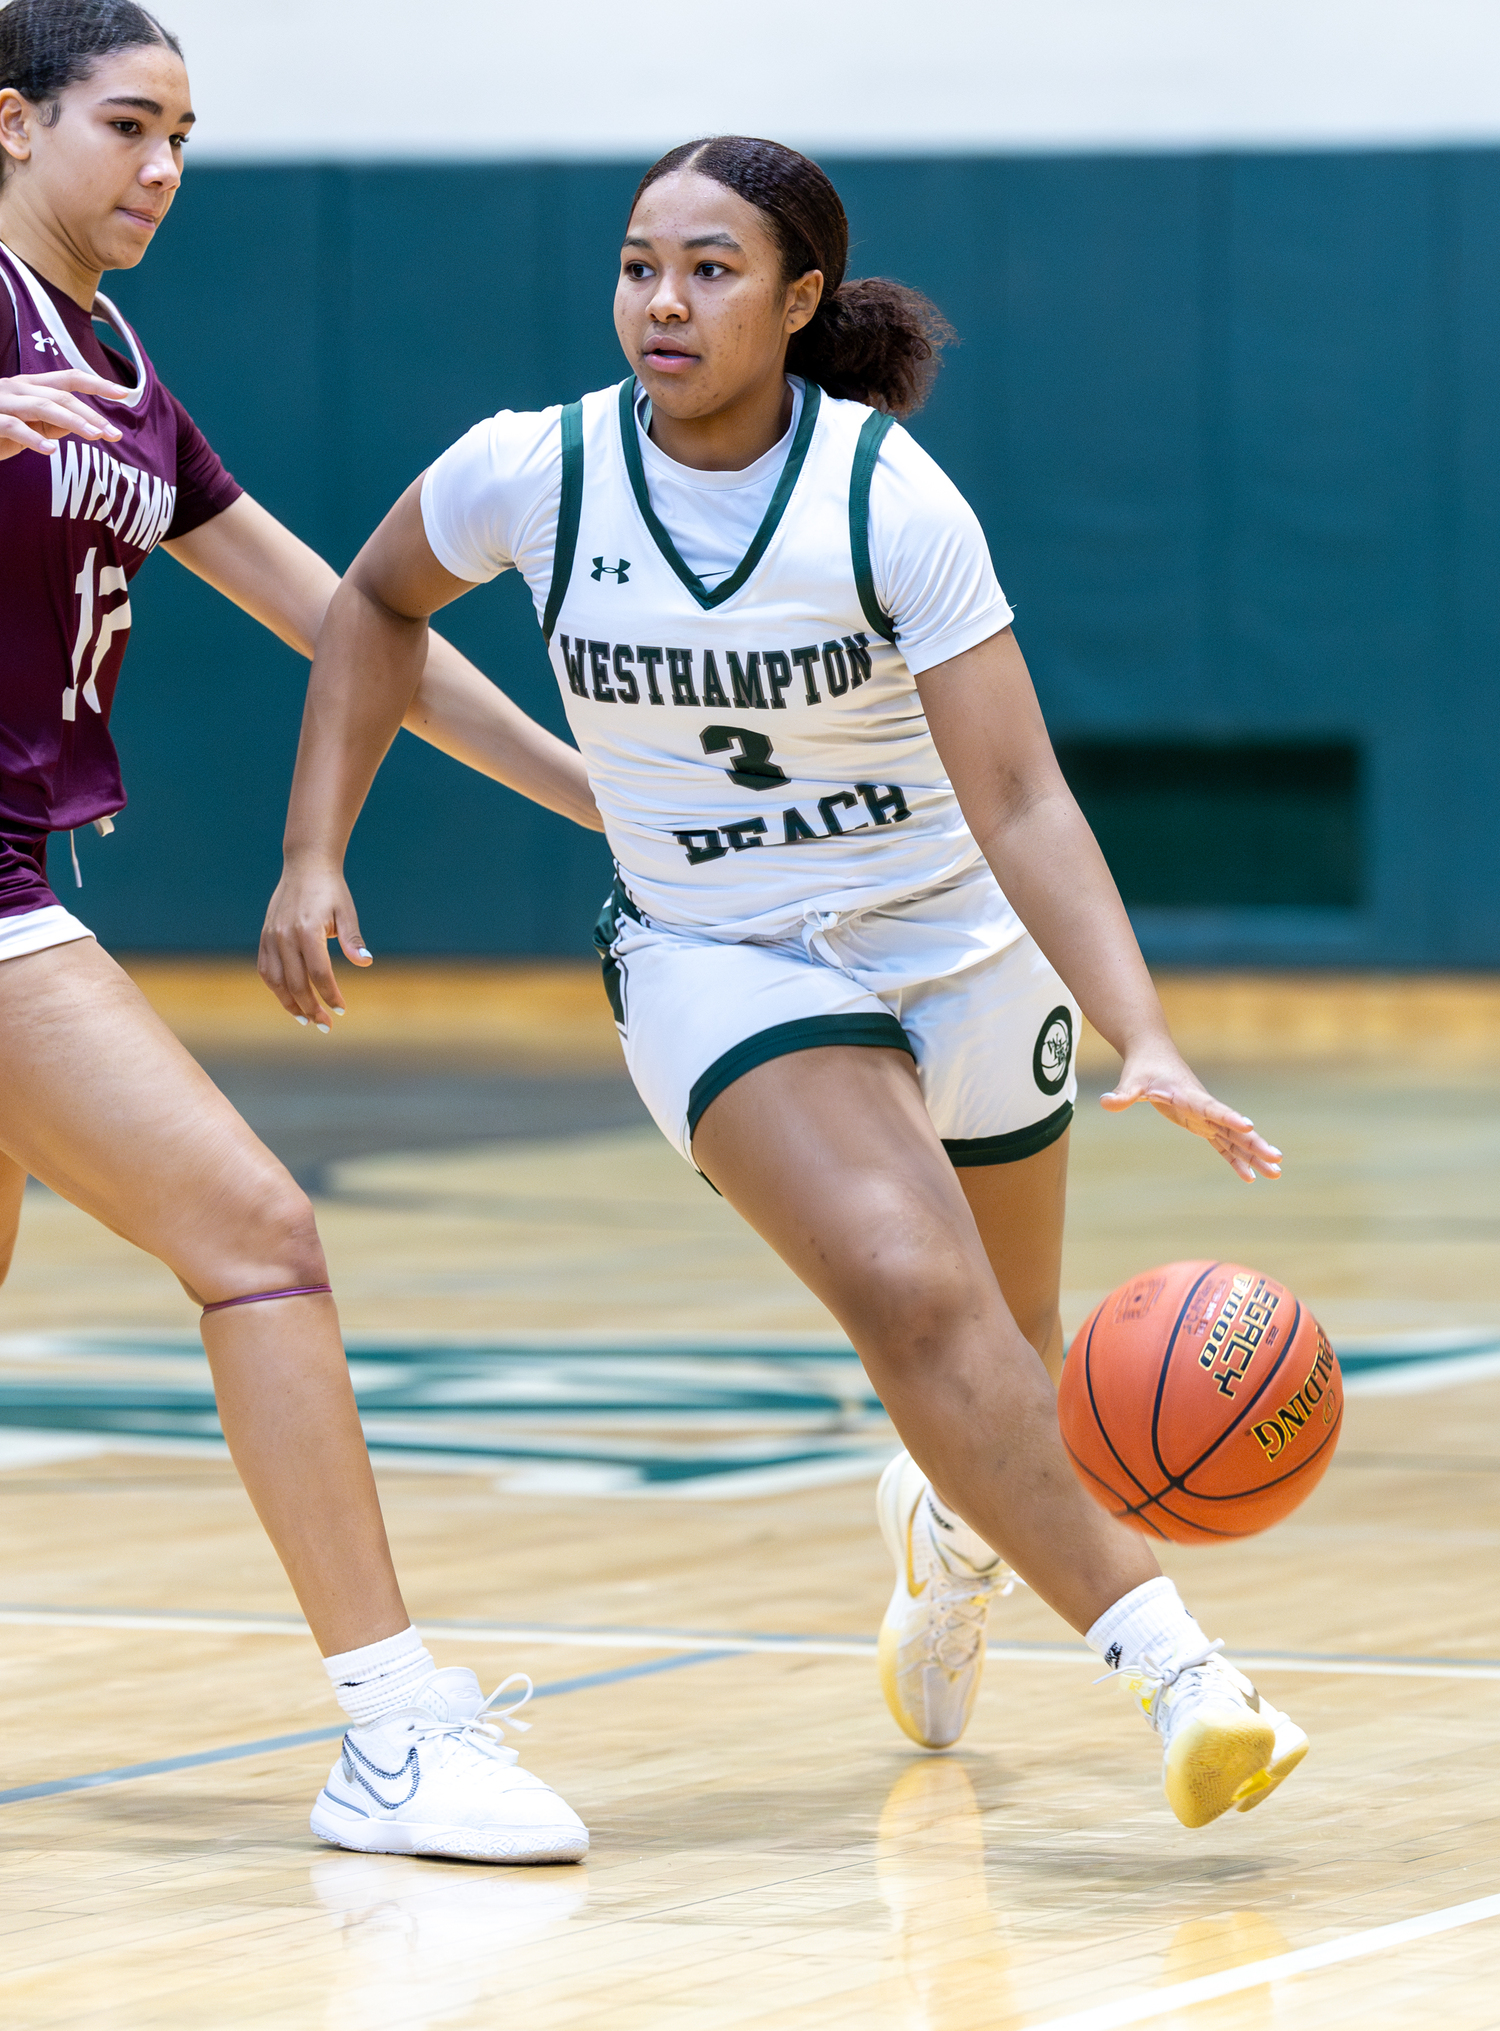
x,y
31,917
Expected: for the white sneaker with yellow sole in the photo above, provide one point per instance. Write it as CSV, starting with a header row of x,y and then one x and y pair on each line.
x,y
932,1638
1223,1744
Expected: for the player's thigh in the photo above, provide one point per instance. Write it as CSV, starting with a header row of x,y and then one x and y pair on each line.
x,y
103,1104
696,1015
1019,1209
994,1043
831,1156
12,1189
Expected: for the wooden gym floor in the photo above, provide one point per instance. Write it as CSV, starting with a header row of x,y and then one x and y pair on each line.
x,y
768,1851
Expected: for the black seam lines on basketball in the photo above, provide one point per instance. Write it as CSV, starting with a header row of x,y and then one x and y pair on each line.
x,y
1099,1424
1180,1481
1200,1529
1089,1474
1264,1487
1265,1383
1161,1385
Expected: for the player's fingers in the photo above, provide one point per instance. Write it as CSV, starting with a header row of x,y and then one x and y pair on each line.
x,y
75,419
79,380
60,412
316,991
324,995
17,436
1124,1094
1241,1131
1248,1157
268,965
287,968
351,941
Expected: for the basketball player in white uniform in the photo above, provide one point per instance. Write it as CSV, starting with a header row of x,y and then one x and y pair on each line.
x,y
857,911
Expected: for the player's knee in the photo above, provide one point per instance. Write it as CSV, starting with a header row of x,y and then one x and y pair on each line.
x,y
278,1231
1038,1323
917,1300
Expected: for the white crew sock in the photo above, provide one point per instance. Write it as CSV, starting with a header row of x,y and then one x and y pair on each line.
x,y
1150,1621
380,1678
953,1536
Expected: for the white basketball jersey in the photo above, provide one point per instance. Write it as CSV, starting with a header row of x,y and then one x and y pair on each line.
x,y
757,749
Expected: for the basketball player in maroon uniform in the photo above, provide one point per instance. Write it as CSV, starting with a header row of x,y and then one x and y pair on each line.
x,y
98,465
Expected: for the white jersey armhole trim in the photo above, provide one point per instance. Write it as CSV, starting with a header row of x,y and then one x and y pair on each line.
x,y
46,310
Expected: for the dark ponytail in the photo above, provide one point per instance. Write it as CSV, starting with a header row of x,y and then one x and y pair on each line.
x,y
876,342
47,45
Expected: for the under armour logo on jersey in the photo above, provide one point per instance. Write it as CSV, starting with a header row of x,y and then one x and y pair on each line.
x,y
620,571
42,344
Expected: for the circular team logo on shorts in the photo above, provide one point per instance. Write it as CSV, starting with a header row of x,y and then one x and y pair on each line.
x,y
1054,1051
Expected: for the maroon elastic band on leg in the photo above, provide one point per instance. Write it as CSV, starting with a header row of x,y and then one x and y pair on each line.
x,y
307,1290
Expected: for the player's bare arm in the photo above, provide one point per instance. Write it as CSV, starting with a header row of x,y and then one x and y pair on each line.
x,y
989,730
256,561
372,651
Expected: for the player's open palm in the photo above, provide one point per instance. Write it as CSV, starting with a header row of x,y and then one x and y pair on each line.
x,y
1163,1079
38,409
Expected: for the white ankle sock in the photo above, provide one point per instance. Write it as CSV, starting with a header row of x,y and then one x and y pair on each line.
x,y
954,1535
1150,1621
380,1678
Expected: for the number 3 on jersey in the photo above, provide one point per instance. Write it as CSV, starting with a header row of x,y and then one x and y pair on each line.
x,y
754,769
111,621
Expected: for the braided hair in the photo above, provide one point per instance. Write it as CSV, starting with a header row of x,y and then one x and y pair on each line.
x,y
871,341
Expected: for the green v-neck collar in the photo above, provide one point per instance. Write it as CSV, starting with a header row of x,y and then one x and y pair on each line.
x,y
771,521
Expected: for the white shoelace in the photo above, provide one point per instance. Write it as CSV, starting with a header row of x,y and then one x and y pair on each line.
x,y
956,1629
1156,1676
484,1728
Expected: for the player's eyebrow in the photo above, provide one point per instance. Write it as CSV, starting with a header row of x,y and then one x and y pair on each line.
x,y
148,106
702,240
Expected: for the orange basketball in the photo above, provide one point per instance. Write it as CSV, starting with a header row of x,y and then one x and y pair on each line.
x,y
1201,1401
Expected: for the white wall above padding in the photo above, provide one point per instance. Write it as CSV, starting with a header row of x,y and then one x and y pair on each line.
x,y
589,78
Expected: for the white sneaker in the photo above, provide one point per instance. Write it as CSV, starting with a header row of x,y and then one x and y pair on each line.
x,y
436,1779
932,1638
1224,1745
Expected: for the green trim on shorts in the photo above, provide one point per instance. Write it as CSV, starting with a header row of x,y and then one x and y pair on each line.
x,y
807,1033
616,904
1009,1149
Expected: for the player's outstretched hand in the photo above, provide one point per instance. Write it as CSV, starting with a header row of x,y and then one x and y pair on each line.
x,y
37,409
1161,1077
307,910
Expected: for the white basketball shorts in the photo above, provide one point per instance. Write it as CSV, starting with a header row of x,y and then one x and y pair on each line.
x,y
38,930
949,976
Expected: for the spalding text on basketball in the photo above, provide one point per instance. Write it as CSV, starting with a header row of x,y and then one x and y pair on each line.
x,y
1275,1434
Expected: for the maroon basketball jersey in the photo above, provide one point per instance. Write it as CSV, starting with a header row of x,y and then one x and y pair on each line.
x,y
74,530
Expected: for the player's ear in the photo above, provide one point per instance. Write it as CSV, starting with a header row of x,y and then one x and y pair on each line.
x,y
16,116
803,297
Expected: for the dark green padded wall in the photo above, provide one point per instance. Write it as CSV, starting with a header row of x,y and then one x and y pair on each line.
x,y
1231,424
